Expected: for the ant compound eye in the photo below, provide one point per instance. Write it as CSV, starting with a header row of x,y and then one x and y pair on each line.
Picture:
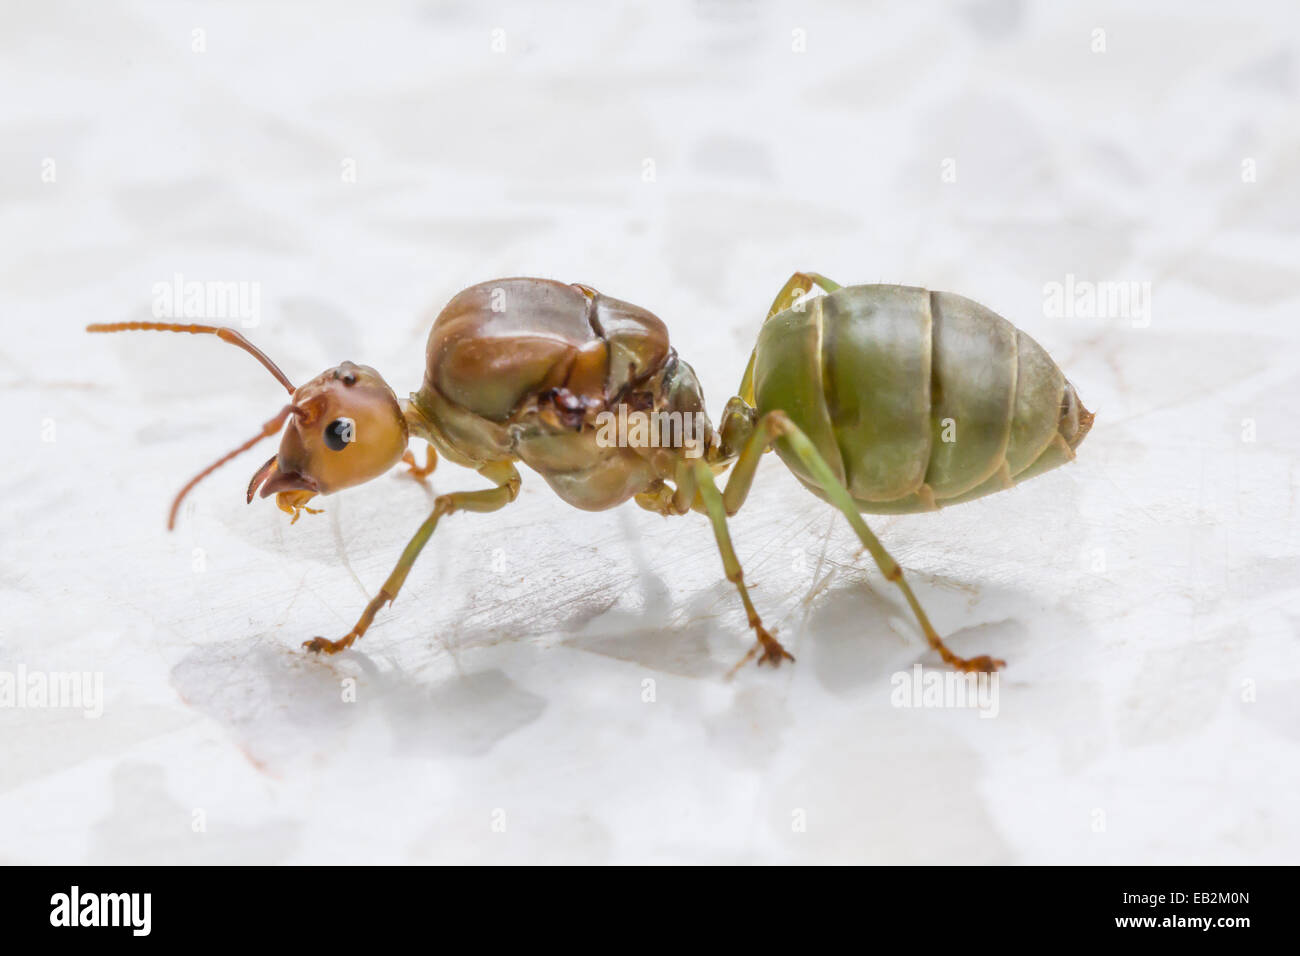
x,y
339,433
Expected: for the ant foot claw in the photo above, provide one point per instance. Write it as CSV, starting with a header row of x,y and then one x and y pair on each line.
x,y
981,665
319,645
767,649
774,653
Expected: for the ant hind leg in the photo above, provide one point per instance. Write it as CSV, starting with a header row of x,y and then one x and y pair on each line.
x,y
776,426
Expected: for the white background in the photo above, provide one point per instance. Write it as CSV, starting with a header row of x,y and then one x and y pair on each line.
x,y
1145,596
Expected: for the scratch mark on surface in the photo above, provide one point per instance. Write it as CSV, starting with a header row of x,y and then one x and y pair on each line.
x,y
341,549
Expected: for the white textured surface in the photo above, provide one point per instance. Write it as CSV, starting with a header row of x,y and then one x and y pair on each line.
x,y
1145,597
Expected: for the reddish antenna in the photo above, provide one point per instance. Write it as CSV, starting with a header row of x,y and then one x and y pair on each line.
x,y
269,429
234,338
226,335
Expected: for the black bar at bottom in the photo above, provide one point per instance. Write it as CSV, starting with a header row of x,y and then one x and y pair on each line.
x,y
332,906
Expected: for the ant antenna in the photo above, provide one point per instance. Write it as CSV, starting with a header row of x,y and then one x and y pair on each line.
x,y
269,429
225,334
234,338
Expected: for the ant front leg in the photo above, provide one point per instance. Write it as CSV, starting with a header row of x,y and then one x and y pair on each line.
x,y
776,426
421,472
507,481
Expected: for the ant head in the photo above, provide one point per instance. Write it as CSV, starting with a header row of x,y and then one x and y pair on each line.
x,y
345,428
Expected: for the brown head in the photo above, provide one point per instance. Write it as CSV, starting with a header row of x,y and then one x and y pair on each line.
x,y
342,428
346,428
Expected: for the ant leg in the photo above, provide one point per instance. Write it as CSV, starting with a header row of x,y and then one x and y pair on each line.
x,y
798,286
420,473
507,481
657,498
777,426
772,651
795,288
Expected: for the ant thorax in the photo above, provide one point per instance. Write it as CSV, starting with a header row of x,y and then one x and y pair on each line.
x,y
583,388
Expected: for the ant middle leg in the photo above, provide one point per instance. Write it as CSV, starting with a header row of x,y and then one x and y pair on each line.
x,y
767,648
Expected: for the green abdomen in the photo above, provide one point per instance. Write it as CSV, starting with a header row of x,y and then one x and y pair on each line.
x,y
917,399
